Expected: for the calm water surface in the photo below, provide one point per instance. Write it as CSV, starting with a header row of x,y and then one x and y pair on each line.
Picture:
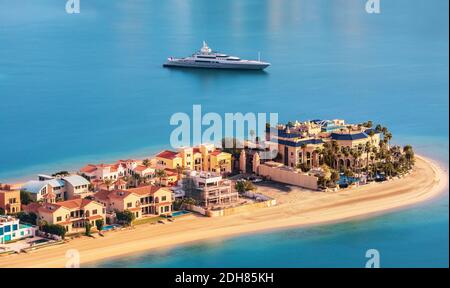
x,y
90,87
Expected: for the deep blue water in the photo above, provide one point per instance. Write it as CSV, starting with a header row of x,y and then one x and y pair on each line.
x,y
90,87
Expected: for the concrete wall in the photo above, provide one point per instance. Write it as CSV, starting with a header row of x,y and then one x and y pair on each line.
x,y
232,210
242,208
288,176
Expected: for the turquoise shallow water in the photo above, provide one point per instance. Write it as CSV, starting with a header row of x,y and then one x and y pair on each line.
x,y
90,87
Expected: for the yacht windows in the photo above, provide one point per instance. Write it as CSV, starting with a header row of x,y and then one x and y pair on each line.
x,y
206,56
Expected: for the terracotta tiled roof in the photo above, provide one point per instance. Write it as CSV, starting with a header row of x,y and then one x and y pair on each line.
x,y
74,203
120,194
167,154
140,168
216,152
49,195
45,208
144,190
127,161
120,181
88,168
102,195
117,194
171,172
52,207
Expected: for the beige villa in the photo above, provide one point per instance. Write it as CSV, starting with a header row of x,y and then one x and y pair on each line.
x,y
143,201
72,214
299,142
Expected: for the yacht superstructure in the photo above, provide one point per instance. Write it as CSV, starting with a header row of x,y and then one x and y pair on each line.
x,y
206,58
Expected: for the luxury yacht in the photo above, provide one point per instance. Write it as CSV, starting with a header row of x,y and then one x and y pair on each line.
x,y
206,58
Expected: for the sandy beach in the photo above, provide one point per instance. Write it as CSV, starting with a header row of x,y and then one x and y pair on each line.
x,y
296,207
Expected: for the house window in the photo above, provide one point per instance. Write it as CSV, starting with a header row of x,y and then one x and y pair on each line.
x,y
163,198
129,204
166,208
58,219
94,212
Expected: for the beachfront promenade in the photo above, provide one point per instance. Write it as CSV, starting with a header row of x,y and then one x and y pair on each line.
x,y
296,207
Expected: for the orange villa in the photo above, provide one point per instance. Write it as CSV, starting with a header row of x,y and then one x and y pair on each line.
x,y
9,199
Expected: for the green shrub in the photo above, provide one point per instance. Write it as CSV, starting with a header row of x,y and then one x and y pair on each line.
x,y
54,229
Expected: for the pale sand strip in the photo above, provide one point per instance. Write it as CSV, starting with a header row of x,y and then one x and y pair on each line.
x,y
296,208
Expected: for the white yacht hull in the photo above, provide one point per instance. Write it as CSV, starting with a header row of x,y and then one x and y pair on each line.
x,y
240,65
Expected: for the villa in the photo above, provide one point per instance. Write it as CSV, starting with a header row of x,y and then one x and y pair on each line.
x,y
144,171
64,188
72,214
11,230
143,201
109,171
300,142
209,189
9,199
303,146
204,157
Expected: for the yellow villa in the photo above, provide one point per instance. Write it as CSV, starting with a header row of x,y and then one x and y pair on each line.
x,y
204,157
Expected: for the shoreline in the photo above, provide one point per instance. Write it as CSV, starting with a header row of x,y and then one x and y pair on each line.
x,y
298,208
70,164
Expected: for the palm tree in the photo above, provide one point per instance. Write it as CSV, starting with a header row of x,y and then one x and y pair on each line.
x,y
160,173
388,137
378,128
137,179
367,149
146,163
409,155
41,223
108,183
179,172
128,180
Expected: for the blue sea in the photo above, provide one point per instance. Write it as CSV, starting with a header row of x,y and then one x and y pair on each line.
x,y
90,87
